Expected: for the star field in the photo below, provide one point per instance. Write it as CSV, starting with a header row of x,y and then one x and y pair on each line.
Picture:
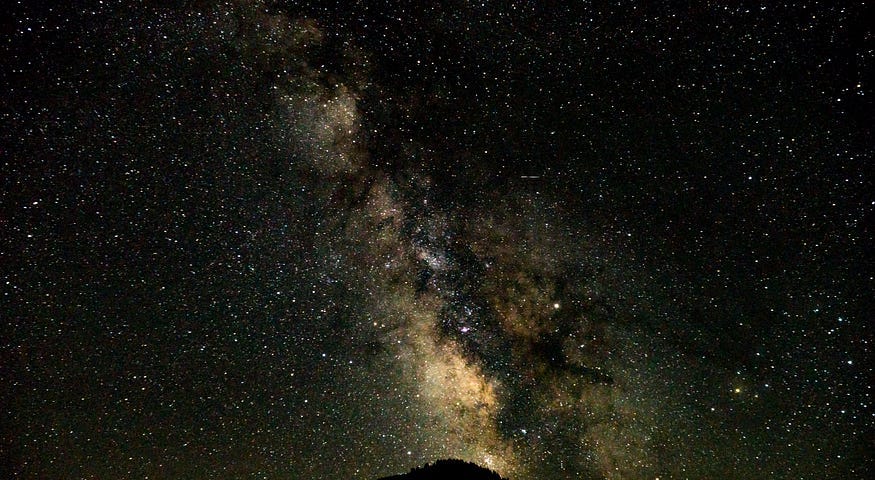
x,y
252,239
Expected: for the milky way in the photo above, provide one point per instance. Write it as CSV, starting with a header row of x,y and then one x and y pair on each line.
x,y
294,241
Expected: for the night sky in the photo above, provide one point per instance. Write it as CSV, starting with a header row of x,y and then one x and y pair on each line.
x,y
336,241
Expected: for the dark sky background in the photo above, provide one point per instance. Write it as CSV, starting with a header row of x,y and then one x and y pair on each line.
x,y
561,240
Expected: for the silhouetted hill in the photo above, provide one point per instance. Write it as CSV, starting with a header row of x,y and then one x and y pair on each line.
x,y
448,470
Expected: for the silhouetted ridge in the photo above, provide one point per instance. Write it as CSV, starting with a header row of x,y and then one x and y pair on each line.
x,y
448,470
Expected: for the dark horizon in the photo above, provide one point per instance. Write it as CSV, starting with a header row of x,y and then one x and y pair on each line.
x,y
450,468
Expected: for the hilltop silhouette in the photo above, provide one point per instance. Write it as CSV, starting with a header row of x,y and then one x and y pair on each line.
x,y
451,469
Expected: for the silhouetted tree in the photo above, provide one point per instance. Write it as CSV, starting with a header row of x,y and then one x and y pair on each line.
x,y
450,469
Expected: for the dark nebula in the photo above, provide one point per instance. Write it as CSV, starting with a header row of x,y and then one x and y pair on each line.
x,y
252,239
